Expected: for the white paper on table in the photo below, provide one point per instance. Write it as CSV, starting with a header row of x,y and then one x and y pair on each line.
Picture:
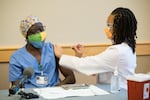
x,y
59,92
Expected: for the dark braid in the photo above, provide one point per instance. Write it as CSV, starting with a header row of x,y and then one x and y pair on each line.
x,y
124,27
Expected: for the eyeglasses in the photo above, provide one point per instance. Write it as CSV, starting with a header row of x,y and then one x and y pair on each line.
x,y
110,25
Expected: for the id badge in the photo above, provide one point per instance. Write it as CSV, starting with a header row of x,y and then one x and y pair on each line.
x,y
42,80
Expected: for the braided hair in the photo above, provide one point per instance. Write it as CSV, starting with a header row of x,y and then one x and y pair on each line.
x,y
124,27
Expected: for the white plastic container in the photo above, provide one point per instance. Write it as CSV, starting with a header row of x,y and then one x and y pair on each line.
x,y
115,83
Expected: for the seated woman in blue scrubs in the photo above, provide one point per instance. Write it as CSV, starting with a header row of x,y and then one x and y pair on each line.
x,y
38,55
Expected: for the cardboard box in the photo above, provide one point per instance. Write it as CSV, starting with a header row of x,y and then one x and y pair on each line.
x,y
139,87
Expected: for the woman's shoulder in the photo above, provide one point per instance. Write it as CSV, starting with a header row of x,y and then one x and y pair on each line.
x,y
120,46
48,44
20,50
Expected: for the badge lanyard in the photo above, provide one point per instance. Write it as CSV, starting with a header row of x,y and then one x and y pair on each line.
x,y
41,69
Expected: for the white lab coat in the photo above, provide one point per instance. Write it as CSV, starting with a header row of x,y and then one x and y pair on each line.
x,y
116,56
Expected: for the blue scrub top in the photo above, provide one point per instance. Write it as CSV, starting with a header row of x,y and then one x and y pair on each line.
x,y
21,59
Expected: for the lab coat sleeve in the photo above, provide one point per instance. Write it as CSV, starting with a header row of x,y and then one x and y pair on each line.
x,y
103,62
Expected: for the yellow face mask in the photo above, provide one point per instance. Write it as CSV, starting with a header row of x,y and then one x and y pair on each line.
x,y
108,33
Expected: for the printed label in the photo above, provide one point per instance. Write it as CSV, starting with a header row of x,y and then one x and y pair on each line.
x,y
146,91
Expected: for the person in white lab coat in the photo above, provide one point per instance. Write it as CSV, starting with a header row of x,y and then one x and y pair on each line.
x,y
121,56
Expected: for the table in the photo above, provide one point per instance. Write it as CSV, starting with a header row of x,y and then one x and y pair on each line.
x,y
121,95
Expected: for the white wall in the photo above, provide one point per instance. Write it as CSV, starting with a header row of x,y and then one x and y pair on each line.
x,y
68,21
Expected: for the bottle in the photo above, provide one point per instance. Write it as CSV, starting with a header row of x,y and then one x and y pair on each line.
x,y
114,85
